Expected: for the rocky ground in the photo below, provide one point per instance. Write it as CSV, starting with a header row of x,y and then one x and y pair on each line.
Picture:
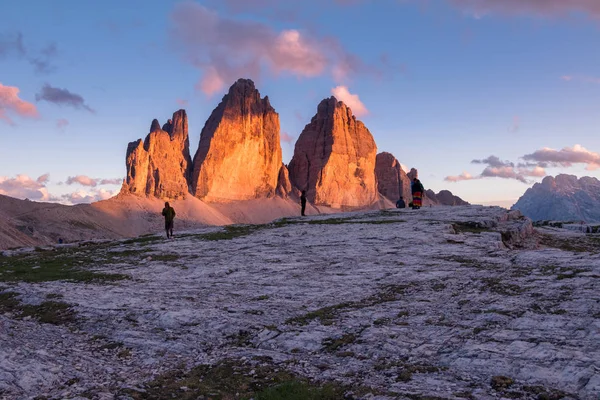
x,y
437,303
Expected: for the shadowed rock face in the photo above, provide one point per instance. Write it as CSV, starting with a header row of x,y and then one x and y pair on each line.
x,y
284,186
160,165
392,181
562,198
334,159
239,156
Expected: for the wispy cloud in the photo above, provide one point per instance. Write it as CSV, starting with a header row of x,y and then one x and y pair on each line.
x,y
62,97
24,187
287,138
351,100
13,45
497,168
85,197
85,180
11,103
225,49
537,8
62,123
465,176
543,8
565,157
581,78
182,102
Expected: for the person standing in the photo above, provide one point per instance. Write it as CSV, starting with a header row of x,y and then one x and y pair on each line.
x,y
417,194
169,214
303,202
400,203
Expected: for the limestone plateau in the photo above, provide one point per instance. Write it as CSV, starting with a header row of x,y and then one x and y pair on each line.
x,y
239,158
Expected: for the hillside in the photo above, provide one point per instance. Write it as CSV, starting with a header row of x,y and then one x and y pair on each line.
x,y
446,302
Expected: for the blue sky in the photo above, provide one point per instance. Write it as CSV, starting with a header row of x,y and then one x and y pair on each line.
x,y
444,82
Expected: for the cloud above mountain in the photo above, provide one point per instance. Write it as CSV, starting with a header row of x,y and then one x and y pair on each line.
x,y
351,100
85,180
224,49
24,187
85,197
497,168
565,157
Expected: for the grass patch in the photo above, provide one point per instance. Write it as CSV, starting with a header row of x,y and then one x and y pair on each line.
x,y
232,380
144,240
230,232
48,312
496,285
328,315
581,244
296,390
331,345
49,266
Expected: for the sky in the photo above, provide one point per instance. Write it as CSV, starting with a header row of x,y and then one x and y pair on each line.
x,y
483,97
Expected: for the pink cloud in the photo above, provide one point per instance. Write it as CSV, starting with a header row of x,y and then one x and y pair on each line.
x,y
10,102
225,49
465,176
23,187
62,123
351,100
585,79
85,180
84,197
530,7
287,138
565,157
497,168
182,102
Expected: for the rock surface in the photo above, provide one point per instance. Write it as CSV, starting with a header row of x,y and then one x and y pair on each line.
x,y
446,198
564,198
392,181
239,156
160,165
334,159
284,186
399,304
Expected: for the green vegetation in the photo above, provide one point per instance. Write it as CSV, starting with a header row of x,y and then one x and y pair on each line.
x,y
328,315
54,265
231,379
48,312
331,345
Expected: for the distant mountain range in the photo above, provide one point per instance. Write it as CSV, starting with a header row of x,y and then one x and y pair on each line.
x,y
564,198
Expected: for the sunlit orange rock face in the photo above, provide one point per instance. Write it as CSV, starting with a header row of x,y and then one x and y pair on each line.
x,y
239,156
392,181
160,165
334,159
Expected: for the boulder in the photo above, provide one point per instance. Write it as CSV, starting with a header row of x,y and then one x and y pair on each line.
x,y
334,159
160,165
239,156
